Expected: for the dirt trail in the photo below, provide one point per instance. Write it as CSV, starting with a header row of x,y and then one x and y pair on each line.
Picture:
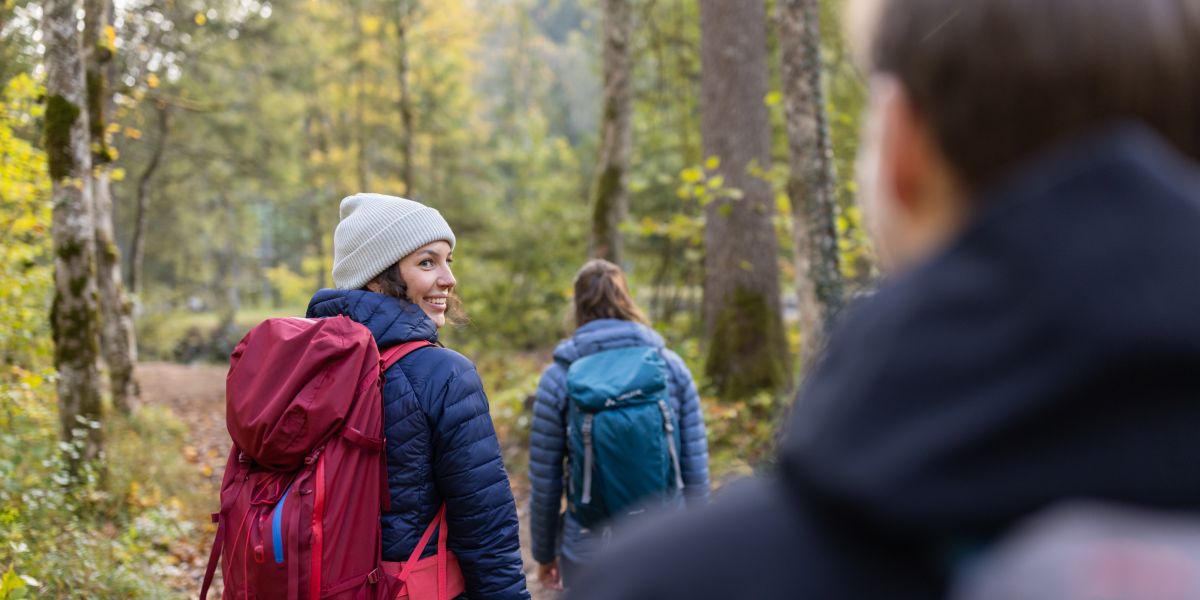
x,y
196,393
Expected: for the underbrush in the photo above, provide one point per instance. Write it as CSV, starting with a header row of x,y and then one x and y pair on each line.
x,y
189,337
119,530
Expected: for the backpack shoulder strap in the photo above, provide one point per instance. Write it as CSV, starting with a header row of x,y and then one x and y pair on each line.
x,y
393,355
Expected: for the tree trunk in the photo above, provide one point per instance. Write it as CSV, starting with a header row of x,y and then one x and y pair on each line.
x,y
610,199
118,342
819,284
138,247
360,109
747,350
75,315
225,280
405,12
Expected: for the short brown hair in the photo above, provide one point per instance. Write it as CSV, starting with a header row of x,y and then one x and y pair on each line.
x,y
602,293
999,80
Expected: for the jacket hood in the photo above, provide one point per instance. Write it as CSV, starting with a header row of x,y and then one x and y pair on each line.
x,y
605,334
391,320
1051,352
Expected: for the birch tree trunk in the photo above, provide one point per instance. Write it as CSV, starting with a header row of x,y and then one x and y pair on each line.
x,y
118,343
610,199
747,349
75,315
819,284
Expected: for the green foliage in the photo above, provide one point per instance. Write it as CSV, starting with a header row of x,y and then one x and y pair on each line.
x,y
510,381
845,96
15,587
98,539
515,274
292,288
26,265
741,433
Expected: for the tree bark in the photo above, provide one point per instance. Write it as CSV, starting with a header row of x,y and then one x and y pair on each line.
x,y
138,251
747,350
360,109
819,283
610,199
225,278
75,315
117,336
405,10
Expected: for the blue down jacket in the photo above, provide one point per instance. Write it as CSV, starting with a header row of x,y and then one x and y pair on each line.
x,y
547,445
441,447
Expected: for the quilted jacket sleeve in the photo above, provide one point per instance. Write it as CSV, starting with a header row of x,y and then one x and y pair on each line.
x,y
547,447
694,455
470,475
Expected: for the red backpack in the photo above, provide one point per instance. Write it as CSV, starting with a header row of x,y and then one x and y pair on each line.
x,y
306,479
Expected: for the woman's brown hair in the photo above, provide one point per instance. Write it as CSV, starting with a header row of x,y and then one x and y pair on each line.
x,y
601,292
391,283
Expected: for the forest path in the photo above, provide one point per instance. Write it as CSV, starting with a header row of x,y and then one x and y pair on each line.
x,y
196,394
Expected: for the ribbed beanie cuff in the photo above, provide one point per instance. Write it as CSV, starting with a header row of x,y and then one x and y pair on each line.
x,y
376,231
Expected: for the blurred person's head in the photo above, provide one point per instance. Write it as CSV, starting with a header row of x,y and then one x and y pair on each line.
x,y
602,293
964,91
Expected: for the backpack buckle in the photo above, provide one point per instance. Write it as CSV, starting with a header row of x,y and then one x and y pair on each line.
x,y
373,577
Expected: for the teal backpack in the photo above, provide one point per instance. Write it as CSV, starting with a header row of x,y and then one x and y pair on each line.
x,y
621,435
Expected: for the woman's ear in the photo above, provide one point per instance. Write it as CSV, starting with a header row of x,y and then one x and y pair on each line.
x,y
374,287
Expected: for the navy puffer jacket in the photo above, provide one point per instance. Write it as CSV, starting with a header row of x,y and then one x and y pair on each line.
x,y
548,440
441,447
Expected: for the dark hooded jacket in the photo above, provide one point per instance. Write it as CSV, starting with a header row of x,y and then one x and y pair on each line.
x,y
441,447
1051,352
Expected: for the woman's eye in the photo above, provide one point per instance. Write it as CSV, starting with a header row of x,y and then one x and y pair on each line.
x,y
425,263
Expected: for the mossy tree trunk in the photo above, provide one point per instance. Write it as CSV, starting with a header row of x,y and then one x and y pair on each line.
x,y
117,338
610,199
819,284
75,315
747,348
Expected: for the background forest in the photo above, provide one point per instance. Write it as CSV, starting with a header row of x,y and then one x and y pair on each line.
x,y
222,135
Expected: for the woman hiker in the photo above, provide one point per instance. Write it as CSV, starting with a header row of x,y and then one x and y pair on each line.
x,y
392,271
607,322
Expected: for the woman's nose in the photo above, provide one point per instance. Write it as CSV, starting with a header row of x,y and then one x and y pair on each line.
x,y
446,279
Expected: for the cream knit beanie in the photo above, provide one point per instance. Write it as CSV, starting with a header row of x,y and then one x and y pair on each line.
x,y
376,231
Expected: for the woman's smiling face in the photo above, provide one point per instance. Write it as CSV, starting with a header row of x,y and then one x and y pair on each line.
x,y
426,273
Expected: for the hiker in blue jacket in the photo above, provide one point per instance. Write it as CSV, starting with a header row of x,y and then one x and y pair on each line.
x,y
606,318
392,271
